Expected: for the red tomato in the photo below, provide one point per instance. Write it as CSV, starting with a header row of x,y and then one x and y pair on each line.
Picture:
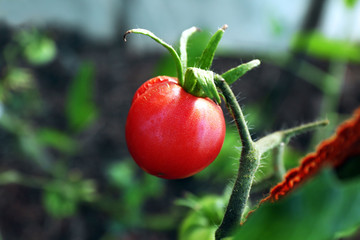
x,y
171,133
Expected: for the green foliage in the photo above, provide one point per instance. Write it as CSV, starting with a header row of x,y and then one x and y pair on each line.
x,y
208,54
350,3
197,43
134,191
27,139
324,208
62,196
80,108
57,140
18,79
227,162
184,44
234,74
317,45
319,210
202,221
9,176
38,49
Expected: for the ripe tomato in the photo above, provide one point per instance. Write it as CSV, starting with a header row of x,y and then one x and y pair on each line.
x,y
171,133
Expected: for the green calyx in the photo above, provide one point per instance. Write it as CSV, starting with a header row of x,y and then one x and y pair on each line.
x,y
198,80
200,83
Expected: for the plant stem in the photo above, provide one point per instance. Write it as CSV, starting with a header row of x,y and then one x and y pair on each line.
x,y
249,162
239,118
278,162
273,140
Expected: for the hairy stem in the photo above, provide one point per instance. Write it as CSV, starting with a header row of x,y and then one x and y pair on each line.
x,y
273,140
249,162
278,162
239,118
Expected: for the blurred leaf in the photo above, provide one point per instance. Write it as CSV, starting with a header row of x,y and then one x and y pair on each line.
x,y
80,107
317,45
350,3
134,191
317,211
56,139
62,197
347,233
18,78
121,174
38,48
190,201
10,176
41,51
28,141
58,205
292,157
33,149
154,186
3,94
160,222
201,223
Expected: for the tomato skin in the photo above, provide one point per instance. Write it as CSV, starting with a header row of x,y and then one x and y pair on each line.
x,y
171,133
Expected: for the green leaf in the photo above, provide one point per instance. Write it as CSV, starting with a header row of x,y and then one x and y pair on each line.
x,y
350,3
59,199
41,51
208,54
62,197
201,223
27,138
200,83
317,45
19,78
80,107
56,139
121,174
10,176
235,73
196,44
171,50
184,43
319,210
38,48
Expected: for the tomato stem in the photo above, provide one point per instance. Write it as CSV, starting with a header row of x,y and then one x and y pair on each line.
x,y
278,162
250,158
273,140
236,111
249,162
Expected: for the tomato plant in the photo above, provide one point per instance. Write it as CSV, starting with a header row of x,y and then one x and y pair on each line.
x,y
174,128
171,133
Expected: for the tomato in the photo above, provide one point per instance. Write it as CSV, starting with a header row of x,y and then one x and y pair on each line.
x,y
171,133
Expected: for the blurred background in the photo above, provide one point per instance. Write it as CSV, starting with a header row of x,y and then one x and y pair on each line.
x,y
66,84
